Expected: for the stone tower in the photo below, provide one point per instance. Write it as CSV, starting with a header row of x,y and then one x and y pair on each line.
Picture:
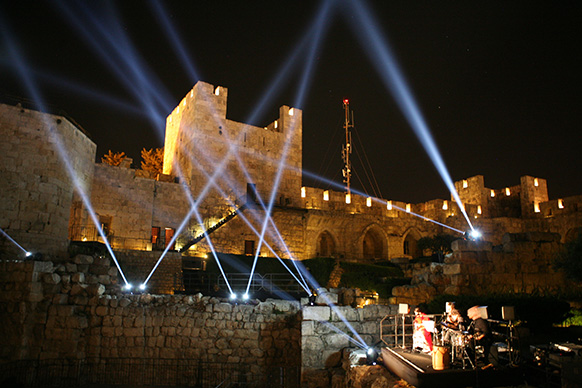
x,y
219,158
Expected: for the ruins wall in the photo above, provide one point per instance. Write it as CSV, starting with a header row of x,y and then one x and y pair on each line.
x,y
522,264
327,331
43,158
53,312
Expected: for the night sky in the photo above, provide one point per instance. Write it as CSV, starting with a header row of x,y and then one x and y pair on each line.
x,y
498,83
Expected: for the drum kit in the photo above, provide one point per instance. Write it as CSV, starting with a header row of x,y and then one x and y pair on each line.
x,y
458,341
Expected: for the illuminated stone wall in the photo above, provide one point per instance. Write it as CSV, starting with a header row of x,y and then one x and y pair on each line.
x,y
130,206
36,187
199,137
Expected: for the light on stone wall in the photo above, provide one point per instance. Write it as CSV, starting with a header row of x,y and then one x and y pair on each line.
x,y
217,91
446,205
276,124
408,207
492,193
465,184
303,192
389,205
507,191
560,204
536,207
184,102
536,182
479,211
369,201
291,111
348,198
326,195
178,109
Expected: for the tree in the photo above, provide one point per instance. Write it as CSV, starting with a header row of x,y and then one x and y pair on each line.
x,y
569,259
153,161
439,245
113,159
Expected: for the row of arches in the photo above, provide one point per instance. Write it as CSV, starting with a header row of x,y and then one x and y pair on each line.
x,y
372,244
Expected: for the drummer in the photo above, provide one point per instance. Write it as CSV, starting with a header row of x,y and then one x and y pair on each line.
x,y
454,320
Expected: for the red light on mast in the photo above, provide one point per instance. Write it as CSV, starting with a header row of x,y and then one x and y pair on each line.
x,y
346,101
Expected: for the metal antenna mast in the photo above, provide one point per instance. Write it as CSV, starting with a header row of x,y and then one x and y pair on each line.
x,y
347,148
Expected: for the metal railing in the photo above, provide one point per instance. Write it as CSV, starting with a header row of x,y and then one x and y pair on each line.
x,y
144,373
270,283
398,330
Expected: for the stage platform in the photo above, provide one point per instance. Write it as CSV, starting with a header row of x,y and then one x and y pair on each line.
x,y
416,368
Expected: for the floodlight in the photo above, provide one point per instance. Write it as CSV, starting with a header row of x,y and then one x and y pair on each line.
x,y
312,299
232,296
245,296
142,287
28,254
127,286
371,356
475,234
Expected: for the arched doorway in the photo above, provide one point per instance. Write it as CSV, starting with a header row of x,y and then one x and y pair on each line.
x,y
372,245
410,247
325,245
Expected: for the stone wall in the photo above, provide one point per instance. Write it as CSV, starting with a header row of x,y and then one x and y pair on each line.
x,y
522,264
129,206
43,157
202,144
137,266
52,311
323,328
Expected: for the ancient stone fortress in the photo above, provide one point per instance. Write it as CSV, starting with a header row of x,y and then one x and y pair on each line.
x,y
42,210
72,308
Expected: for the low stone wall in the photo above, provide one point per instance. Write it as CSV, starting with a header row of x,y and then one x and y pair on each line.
x,y
51,312
325,339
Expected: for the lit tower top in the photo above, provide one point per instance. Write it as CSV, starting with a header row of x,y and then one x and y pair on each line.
x,y
347,148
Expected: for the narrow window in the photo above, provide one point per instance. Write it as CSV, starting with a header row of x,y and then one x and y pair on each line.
x,y
249,247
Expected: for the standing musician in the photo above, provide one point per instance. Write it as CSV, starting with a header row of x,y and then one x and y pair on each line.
x,y
422,338
481,332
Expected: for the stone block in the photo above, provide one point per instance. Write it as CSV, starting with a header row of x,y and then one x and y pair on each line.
x,y
452,269
51,278
339,313
83,259
78,277
316,313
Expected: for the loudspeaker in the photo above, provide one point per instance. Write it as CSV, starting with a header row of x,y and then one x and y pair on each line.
x,y
403,308
508,313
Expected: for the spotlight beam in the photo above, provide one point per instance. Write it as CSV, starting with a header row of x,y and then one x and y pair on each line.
x,y
317,31
378,49
174,38
2,232
27,79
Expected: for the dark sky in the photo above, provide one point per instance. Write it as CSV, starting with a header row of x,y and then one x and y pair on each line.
x,y
498,83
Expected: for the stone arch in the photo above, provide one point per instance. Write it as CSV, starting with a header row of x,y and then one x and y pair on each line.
x,y
325,245
373,243
572,234
410,243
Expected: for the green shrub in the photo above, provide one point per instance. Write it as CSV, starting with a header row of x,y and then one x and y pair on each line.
x,y
320,268
368,277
